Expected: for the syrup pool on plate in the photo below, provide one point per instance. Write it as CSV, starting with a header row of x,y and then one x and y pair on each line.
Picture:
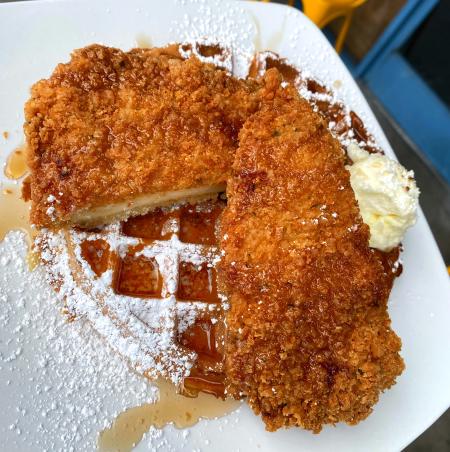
x,y
130,426
16,165
14,212
143,41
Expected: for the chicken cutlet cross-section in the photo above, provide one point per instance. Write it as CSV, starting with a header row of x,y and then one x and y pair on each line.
x,y
112,134
308,333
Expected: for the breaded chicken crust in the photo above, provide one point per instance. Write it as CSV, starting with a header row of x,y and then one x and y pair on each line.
x,y
110,125
308,333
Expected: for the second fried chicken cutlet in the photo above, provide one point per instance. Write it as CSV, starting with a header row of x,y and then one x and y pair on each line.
x,y
308,333
112,133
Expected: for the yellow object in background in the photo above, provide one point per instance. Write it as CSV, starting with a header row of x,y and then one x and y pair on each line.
x,y
322,12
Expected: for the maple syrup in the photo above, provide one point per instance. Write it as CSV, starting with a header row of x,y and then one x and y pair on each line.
x,y
200,226
14,212
16,164
197,283
143,41
331,111
149,226
130,426
96,253
138,276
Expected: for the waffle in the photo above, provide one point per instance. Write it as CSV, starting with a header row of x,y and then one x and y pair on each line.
x,y
149,286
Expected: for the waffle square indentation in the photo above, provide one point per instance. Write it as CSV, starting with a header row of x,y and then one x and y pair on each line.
x,y
200,338
138,276
151,226
197,282
96,253
199,225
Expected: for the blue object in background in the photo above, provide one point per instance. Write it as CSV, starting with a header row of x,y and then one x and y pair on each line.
x,y
416,108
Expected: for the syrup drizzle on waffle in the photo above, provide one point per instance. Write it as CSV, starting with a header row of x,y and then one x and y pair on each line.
x,y
149,285
343,123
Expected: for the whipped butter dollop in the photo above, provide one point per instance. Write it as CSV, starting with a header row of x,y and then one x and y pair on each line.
x,y
387,195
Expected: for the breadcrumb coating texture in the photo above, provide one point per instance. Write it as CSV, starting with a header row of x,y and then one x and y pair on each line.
x,y
111,125
308,334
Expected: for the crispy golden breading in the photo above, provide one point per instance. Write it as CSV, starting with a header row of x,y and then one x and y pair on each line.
x,y
308,334
109,126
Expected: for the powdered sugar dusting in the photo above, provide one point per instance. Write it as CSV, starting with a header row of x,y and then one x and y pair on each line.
x,y
141,329
221,57
216,21
305,48
68,397
320,96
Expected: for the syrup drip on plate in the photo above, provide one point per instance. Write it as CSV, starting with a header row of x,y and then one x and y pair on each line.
x,y
129,427
143,41
16,165
14,213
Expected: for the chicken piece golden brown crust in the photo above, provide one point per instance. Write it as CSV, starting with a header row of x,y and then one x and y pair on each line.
x,y
308,333
110,126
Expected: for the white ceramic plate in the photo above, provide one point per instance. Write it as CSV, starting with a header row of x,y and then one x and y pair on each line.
x,y
58,386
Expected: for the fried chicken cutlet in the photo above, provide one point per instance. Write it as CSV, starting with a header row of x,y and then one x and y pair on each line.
x,y
115,133
308,333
